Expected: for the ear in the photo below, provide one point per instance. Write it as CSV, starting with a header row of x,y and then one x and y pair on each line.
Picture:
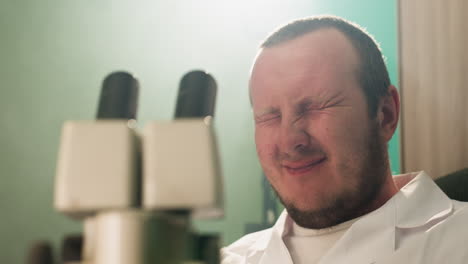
x,y
388,113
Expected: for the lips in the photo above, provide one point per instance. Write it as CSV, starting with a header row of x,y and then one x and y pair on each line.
x,y
301,167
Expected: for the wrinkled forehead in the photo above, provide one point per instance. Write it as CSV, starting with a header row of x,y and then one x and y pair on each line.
x,y
321,54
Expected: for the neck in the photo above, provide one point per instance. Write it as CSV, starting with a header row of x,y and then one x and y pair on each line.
x,y
388,190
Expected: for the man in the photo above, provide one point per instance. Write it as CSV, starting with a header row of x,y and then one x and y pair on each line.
x,y
324,112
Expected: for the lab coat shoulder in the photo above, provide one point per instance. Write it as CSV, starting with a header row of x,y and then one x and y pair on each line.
x,y
239,250
460,207
449,240
442,241
418,225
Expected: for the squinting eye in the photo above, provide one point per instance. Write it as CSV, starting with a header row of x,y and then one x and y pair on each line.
x,y
267,118
312,109
307,110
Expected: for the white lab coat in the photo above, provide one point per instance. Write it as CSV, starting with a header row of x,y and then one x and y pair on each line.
x,y
419,224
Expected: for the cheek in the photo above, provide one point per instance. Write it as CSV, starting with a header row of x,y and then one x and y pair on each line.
x,y
339,136
322,133
265,150
348,140
265,144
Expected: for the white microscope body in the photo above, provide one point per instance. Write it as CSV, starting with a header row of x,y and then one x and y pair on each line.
x,y
137,192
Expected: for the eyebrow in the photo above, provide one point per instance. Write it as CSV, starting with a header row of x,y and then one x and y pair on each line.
x,y
328,98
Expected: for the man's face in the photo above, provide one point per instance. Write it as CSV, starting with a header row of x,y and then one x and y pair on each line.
x,y
315,140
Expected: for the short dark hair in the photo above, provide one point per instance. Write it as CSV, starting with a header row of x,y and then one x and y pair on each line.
x,y
372,72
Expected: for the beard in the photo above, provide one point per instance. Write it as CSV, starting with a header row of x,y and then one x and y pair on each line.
x,y
354,202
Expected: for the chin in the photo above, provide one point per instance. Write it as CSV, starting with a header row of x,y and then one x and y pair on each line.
x,y
311,195
306,200
317,202
305,207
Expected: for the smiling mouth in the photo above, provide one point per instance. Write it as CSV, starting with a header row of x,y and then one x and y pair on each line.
x,y
296,169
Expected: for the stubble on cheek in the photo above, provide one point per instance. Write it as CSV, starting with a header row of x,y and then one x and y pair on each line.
x,y
270,167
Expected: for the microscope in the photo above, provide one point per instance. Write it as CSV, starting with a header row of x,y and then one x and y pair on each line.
x,y
137,192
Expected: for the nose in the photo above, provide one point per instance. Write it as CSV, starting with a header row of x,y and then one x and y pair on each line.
x,y
294,140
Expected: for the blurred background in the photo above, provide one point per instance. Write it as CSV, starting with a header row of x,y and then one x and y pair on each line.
x,y
55,54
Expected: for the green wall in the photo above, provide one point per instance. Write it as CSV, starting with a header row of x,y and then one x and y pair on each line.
x,y
54,55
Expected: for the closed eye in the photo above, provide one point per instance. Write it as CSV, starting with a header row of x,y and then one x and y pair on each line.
x,y
267,118
312,109
306,108
333,101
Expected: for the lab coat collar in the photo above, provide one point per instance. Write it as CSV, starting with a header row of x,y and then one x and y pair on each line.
x,y
376,235
420,193
419,202
270,248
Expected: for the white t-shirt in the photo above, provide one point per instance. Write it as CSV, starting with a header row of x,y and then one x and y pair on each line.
x,y
307,246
